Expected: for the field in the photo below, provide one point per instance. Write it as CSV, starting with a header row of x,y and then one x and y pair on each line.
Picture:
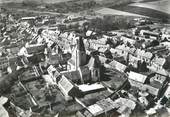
x,y
150,8
109,11
161,5
154,12
44,1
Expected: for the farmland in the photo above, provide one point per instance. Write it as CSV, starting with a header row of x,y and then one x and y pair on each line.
x,y
162,5
44,1
151,10
109,11
156,9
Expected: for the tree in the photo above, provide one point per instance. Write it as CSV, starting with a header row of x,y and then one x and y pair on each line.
x,y
6,82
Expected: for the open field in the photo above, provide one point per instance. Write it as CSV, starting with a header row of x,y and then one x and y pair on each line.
x,y
144,11
109,11
157,9
39,1
161,5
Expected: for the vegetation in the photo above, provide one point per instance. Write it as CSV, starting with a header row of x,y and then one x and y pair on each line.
x,y
30,3
144,11
65,7
108,23
74,27
114,3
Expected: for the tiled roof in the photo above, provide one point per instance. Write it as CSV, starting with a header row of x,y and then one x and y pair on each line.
x,y
137,77
94,62
65,85
118,66
159,61
73,76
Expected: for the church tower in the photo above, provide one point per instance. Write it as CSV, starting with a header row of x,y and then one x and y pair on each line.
x,y
81,53
78,55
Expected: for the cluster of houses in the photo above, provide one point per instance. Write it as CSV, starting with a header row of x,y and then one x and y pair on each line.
x,y
112,74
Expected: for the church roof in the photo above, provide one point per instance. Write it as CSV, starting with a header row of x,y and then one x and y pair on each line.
x,y
74,76
94,62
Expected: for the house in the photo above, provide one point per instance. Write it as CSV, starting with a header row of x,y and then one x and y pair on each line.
x,y
84,113
96,45
152,90
118,66
23,52
165,37
59,59
157,49
133,61
28,18
141,54
4,63
95,109
136,79
125,49
116,52
119,54
167,92
149,34
37,48
153,84
167,44
100,109
158,62
128,40
53,73
157,83
66,86
125,106
89,33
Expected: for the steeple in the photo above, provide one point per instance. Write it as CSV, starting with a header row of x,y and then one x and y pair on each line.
x,y
80,44
81,53
78,54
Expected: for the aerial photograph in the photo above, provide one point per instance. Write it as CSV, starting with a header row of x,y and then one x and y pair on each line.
x,y
84,58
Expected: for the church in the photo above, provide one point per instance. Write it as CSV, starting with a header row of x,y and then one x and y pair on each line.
x,y
86,68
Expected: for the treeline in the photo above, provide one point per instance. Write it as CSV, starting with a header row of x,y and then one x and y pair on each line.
x,y
65,7
31,3
115,3
108,23
99,25
73,27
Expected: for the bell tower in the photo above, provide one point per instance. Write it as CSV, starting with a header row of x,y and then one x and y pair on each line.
x,y
81,53
78,55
